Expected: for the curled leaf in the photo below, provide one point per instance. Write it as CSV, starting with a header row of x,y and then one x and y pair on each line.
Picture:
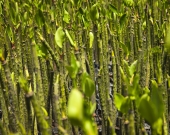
x,y
70,38
59,37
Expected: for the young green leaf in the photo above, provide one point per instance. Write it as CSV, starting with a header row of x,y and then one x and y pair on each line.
x,y
134,87
70,39
145,108
157,126
118,100
125,105
66,17
59,37
73,69
132,68
41,51
91,39
156,99
10,33
75,107
125,78
88,85
126,67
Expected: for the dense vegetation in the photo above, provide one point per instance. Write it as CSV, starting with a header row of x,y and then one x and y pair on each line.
x,y
84,67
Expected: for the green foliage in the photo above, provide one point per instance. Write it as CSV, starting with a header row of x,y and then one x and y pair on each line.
x,y
145,103
70,39
79,111
94,14
39,18
88,86
74,68
59,37
128,3
113,8
154,104
41,51
10,33
39,38
122,103
91,39
66,17
75,107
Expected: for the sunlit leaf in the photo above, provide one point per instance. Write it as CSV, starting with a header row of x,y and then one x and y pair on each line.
x,y
25,16
59,37
44,111
75,107
91,39
157,126
118,100
132,67
66,17
70,38
125,78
